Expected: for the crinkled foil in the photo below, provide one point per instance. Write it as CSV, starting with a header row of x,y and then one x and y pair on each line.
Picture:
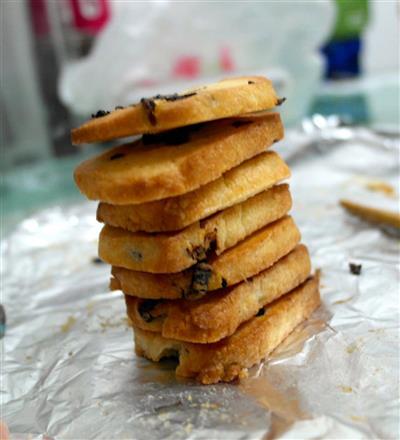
x,y
69,371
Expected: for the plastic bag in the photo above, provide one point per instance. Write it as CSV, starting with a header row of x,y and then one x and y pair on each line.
x,y
162,47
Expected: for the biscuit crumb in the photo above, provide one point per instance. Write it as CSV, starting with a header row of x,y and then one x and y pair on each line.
x,y
382,187
346,389
351,348
66,327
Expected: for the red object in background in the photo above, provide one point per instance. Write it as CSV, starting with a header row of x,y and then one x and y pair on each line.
x,y
187,66
90,15
225,60
40,21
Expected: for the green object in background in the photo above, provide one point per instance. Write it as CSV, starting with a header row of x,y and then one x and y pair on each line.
x,y
352,17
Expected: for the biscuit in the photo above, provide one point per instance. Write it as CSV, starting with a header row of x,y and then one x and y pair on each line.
x,y
156,167
171,214
167,251
223,99
218,316
249,257
228,359
372,214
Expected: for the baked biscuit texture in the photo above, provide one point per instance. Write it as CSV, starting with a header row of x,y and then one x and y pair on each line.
x,y
240,183
164,251
249,257
166,165
228,359
230,97
218,316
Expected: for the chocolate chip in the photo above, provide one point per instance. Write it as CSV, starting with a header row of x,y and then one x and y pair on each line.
x,y
117,156
261,312
239,123
250,82
200,277
97,260
198,253
100,114
149,106
146,307
355,269
280,101
174,96
224,283
137,256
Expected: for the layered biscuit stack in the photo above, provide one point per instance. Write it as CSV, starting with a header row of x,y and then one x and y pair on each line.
x,y
197,228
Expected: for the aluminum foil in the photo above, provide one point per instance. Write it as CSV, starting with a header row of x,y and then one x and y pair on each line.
x,y
69,371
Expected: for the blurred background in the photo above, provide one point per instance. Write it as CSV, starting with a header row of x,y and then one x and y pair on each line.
x,y
63,60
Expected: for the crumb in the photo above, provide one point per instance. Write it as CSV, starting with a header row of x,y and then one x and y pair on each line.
x,y
343,301
351,348
382,187
188,428
355,269
209,405
66,327
357,418
346,389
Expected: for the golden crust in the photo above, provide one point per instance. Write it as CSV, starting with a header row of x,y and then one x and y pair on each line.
x,y
223,99
371,214
171,214
249,257
137,173
171,252
228,359
218,316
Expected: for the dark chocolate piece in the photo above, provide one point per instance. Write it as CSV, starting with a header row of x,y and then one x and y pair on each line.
x,y
200,277
117,156
145,308
224,283
137,256
174,96
355,269
250,82
149,106
280,101
261,312
100,114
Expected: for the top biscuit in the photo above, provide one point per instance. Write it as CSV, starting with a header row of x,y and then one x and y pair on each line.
x,y
226,98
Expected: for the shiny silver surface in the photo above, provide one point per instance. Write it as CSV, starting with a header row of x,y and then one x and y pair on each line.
x,y
68,365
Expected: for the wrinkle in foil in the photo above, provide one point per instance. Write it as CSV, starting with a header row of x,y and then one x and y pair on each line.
x,y
69,370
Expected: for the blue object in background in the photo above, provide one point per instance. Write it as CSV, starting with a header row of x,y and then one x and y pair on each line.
x,y
342,58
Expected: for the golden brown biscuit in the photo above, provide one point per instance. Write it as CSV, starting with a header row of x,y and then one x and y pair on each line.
x,y
170,165
235,186
371,214
230,97
218,316
249,257
228,359
151,252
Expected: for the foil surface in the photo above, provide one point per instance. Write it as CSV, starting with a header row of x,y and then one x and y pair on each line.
x,y
68,367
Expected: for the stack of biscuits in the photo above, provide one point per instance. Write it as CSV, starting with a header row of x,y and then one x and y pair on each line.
x,y
196,226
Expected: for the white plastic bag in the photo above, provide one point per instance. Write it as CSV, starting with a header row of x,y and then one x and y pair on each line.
x,y
160,47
